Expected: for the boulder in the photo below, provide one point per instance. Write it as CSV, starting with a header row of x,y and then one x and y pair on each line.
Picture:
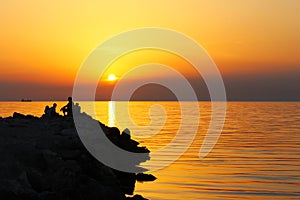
x,y
141,177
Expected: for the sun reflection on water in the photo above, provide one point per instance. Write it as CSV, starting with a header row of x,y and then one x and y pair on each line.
x,y
111,114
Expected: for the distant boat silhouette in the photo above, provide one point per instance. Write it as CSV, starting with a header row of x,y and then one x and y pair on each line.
x,y
26,100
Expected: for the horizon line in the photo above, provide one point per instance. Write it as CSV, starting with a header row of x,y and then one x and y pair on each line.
x,y
268,100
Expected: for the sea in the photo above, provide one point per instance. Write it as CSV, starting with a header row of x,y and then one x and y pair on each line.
x,y
256,155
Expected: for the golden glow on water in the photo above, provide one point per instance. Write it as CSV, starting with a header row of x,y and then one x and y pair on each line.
x,y
256,157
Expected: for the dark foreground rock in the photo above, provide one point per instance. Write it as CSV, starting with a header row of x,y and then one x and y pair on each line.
x,y
145,177
44,159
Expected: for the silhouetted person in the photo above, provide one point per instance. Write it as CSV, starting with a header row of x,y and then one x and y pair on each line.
x,y
77,109
52,110
47,112
67,109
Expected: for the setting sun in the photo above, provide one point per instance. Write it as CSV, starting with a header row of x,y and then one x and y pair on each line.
x,y
111,77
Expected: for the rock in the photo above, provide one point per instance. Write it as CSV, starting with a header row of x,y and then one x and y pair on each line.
x,y
141,177
37,181
44,159
18,115
67,132
70,154
30,117
137,197
127,181
48,195
126,134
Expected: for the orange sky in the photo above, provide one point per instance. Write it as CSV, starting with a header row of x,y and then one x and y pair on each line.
x,y
45,42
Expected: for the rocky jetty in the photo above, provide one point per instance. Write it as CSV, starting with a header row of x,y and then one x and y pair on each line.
x,y
44,159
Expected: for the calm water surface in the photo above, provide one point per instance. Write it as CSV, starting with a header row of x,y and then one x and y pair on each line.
x,y
257,155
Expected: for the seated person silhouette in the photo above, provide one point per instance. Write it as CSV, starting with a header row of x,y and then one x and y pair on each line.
x,y
77,109
52,110
47,112
67,109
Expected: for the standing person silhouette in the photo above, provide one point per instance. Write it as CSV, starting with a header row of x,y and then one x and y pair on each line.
x,y
67,109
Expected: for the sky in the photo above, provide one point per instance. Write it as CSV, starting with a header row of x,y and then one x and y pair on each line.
x,y
254,43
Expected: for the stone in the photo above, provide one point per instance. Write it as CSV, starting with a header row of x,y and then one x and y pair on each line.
x,y
137,197
44,159
141,177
